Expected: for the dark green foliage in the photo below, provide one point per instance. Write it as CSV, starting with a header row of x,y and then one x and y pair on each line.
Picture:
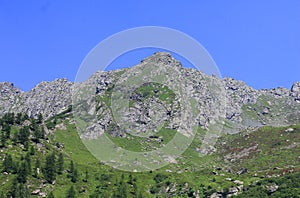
x,y
73,172
22,172
22,191
6,130
50,124
18,118
8,164
289,186
24,135
74,176
13,189
42,132
40,119
38,133
135,190
3,138
130,179
71,193
86,179
32,150
36,167
25,117
28,162
60,163
159,177
49,170
9,118
26,146
122,190
50,195
71,167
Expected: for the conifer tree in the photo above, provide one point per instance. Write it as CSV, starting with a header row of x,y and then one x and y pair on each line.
x,y
36,168
22,172
71,193
28,161
8,163
49,170
50,195
60,163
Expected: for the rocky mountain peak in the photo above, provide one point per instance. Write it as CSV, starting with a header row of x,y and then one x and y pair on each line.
x,y
227,99
296,87
295,91
162,58
8,87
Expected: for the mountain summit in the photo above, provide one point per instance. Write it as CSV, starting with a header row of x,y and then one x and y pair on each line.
x,y
220,100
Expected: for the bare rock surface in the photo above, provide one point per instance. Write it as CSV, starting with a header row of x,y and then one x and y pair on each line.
x,y
222,104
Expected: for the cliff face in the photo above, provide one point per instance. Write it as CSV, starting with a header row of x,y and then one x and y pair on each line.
x,y
47,98
226,102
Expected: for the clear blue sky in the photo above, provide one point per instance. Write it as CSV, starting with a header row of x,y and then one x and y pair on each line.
x,y
250,40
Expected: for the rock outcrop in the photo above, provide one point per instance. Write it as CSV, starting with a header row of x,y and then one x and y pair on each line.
x,y
225,102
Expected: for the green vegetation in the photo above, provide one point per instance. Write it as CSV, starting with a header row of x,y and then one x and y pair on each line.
x,y
59,164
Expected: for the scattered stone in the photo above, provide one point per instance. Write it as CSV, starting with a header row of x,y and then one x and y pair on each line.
x,y
242,171
233,190
289,130
36,192
238,182
272,188
266,111
43,194
216,195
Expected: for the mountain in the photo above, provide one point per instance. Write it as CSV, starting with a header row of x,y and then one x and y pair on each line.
x,y
245,143
243,105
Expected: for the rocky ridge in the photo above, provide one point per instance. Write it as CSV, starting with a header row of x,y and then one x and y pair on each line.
x,y
221,102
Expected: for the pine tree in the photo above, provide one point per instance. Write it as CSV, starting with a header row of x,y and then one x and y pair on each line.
x,y
8,163
37,135
28,161
74,176
73,173
71,166
25,117
122,188
60,163
42,132
26,145
50,195
13,188
32,150
140,195
36,168
130,179
40,118
22,172
3,138
86,176
49,170
6,128
135,189
71,193
18,119
22,191
24,135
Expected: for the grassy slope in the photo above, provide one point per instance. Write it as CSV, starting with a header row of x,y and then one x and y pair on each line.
x,y
194,170
270,158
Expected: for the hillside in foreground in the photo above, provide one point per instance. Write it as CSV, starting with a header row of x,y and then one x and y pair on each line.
x,y
260,163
